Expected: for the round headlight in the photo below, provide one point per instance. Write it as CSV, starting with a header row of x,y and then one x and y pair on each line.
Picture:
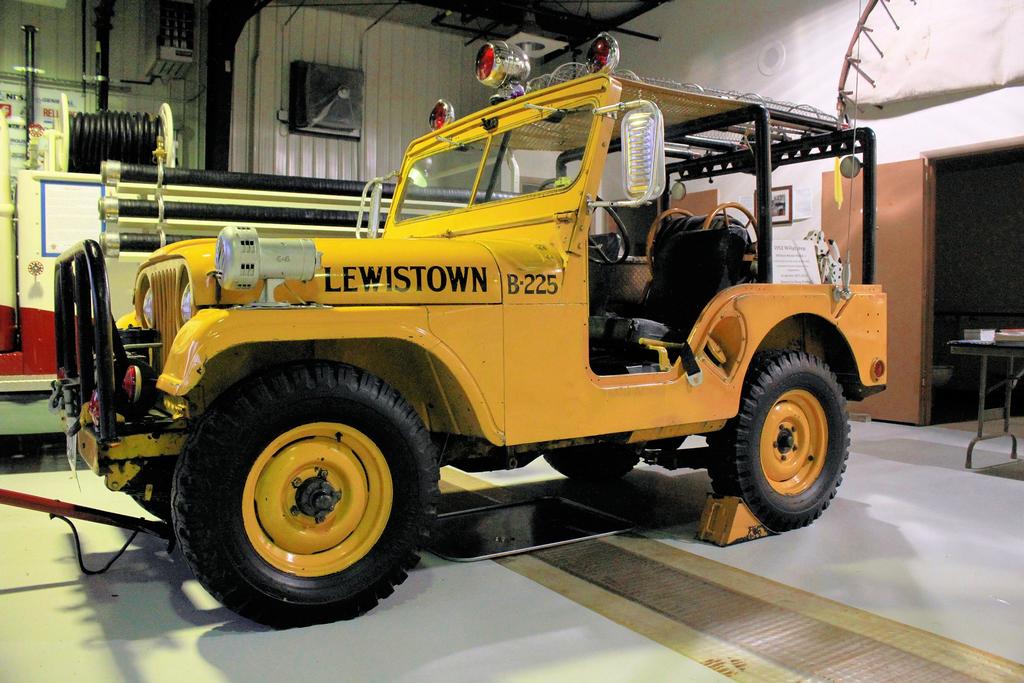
x,y
188,305
147,308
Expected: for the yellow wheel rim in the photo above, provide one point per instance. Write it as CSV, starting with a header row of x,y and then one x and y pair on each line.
x,y
317,499
794,441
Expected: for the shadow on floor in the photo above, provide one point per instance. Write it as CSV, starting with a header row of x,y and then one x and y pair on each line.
x,y
33,453
991,458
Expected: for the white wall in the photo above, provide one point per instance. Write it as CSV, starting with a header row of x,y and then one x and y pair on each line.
x,y
718,44
58,54
406,70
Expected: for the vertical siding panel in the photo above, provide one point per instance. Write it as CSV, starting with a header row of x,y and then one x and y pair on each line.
x,y
332,54
274,77
240,154
371,109
405,70
376,51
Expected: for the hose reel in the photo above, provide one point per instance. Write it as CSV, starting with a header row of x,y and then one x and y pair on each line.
x,y
82,141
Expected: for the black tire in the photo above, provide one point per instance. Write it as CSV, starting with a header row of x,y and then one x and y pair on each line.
x,y
599,462
210,480
736,463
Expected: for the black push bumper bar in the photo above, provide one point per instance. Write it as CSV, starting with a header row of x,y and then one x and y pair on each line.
x,y
88,347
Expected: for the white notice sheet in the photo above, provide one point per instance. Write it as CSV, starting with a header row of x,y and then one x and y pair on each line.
x,y
70,214
795,262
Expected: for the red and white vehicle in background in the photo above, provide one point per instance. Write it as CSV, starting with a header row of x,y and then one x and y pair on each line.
x,y
50,210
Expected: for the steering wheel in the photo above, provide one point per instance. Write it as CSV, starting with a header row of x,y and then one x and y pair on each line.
x,y
623,241
652,232
722,208
751,222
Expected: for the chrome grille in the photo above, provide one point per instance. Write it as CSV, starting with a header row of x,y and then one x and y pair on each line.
x,y
167,281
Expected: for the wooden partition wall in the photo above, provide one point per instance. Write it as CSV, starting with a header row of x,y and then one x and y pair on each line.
x,y
698,203
904,261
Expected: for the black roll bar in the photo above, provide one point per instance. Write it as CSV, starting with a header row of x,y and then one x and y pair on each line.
x,y
808,148
866,138
819,141
84,328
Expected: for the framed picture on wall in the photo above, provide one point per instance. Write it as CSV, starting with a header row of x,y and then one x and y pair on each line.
x,y
782,205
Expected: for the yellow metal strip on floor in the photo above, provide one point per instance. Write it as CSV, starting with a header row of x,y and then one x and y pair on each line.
x,y
737,623
938,649
714,653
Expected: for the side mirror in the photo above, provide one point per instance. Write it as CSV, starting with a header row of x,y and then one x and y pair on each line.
x,y
642,136
643,153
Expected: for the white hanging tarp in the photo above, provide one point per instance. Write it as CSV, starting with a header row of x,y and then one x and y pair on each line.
x,y
942,47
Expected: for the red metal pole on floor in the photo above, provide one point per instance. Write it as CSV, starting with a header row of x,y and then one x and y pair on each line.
x,y
61,509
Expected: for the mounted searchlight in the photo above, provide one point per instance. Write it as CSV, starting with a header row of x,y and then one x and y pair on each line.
x,y
243,258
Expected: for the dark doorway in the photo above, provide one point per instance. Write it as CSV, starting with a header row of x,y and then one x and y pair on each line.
x,y
979,271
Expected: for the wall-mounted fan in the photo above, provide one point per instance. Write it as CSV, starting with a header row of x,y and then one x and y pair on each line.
x,y
325,100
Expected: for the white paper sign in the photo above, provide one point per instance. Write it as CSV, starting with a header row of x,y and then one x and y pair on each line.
x,y
70,214
803,203
794,262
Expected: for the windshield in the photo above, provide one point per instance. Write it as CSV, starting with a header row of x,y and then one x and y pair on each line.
x,y
441,181
516,162
526,159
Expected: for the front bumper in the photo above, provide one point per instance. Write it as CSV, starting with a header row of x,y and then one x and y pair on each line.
x,y
119,462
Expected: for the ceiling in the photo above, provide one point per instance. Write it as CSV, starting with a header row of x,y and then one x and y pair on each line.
x,y
573,22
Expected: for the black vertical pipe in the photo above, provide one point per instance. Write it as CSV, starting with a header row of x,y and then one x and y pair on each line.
x,y
763,195
866,136
30,83
103,23
226,19
85,53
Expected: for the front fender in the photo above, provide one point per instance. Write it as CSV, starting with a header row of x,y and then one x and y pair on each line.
x,y
212,332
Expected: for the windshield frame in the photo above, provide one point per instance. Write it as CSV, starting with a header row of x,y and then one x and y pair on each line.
x,y
516,117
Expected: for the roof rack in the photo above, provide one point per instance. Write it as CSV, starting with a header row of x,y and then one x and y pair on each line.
x,y
788,120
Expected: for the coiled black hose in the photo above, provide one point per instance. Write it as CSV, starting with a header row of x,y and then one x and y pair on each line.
x,y
119,135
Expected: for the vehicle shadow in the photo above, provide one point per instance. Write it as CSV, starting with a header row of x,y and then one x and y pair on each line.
x,y
444,614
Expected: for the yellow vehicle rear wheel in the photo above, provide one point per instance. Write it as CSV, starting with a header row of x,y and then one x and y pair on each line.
x,y
785,452
304,495
794,438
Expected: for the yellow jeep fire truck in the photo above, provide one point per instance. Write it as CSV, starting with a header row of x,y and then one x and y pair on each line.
x,y
294,399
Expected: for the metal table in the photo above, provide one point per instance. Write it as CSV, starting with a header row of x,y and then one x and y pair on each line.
x,y
985,350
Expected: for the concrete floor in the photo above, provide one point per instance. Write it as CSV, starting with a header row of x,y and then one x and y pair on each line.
x,y
911,537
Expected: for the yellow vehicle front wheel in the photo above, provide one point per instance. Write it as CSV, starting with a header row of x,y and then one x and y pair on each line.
x,y
785,452
317,499
304,494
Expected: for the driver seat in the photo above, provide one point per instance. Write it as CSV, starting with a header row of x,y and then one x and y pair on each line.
x,y
691,265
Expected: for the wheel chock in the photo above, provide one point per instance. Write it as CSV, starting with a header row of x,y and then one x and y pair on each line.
x,y
727,520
